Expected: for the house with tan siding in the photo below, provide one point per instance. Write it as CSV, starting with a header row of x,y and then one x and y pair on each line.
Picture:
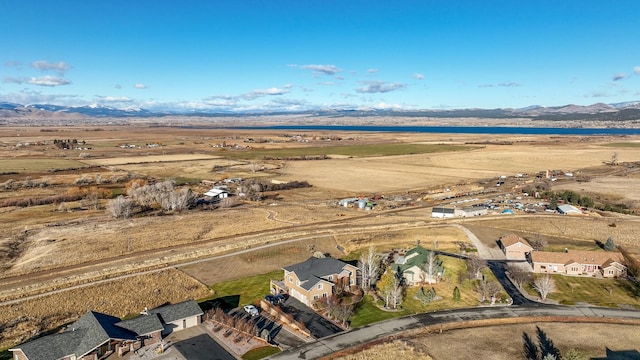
x,y
578,262
514,247
315,278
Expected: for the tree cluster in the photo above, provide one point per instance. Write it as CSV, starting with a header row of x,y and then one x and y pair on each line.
x,y
391,288
569,197
253,188
335,308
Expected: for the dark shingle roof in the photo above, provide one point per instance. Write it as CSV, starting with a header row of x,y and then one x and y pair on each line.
x,y
80,338
173,312
314,269
142,325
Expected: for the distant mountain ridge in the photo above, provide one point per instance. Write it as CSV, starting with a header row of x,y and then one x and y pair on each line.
x,y
600,111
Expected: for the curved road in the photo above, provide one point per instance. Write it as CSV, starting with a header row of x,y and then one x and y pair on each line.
x,y
329,345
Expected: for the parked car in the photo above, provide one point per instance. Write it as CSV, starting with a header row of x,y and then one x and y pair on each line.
x,y
275,299
251,310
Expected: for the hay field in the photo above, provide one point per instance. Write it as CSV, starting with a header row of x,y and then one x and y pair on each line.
x,y
419,171
504,342
20,165
396,349
629,187
573,228
118,298
201,169
149,159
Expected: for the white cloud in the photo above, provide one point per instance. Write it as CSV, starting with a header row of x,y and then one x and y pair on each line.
x,y
636,70
619,76
39,81
113,99
265,92
59,67
35,97
321,69
418,76
117,86
510,84
371,87
140,86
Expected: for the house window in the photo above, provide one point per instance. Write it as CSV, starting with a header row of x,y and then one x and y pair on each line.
x,y
330,277
324,295
316,297
320,286
290,279
298,282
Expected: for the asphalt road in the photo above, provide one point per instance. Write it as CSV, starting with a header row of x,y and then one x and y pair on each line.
x,y
342,341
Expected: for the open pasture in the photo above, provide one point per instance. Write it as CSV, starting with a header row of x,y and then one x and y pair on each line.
x,y
419,171
32,165
149,159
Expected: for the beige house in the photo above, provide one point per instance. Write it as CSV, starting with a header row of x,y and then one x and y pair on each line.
x,y
515,247
578,262
315,278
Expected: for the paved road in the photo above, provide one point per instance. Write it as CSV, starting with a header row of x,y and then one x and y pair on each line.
x,y
342,341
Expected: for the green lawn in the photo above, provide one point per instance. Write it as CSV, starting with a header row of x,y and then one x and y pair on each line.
x,y
5,354
600,292
352,150
260,353
250,289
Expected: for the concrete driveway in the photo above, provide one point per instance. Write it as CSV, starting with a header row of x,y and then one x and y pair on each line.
x,y
194,344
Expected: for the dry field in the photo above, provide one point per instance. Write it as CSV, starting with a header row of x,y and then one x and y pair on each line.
x,y
569,229
397,349
608,185
505,342
19,322
420,171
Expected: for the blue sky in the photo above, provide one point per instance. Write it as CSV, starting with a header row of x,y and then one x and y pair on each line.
x,y
306,54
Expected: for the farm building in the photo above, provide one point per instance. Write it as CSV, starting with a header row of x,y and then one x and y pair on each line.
x,y
96,335
442,212
217,193
515,247
473,211
578,262
567,209
315,278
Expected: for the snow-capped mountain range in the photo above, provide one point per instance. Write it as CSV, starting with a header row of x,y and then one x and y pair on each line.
x,y
600,111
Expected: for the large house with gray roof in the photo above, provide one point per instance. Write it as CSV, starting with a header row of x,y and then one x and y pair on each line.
x,y
96,335
315,278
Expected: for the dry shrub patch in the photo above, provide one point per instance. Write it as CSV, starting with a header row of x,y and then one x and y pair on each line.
x,y
504,342
119,298
396,349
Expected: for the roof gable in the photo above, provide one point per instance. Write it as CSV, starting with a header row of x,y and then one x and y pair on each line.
x,y
173,312
513,239
316,268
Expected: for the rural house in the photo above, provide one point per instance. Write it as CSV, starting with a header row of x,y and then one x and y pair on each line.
x,y
96,335
412,267
315,278
515,247
578,262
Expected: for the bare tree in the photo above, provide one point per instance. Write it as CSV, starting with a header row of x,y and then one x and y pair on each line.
x,y
518,275
538,243
369,266
474,265
120,207
430,268
544,285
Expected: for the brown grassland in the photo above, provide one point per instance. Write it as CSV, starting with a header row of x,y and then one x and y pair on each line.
x,y
47,241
